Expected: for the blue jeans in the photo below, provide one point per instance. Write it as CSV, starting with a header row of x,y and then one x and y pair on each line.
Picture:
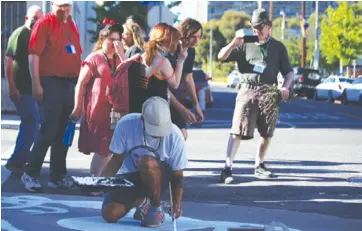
x,y
55,109
28,111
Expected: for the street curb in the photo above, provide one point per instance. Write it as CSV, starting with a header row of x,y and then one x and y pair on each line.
x,y
16,126
10,126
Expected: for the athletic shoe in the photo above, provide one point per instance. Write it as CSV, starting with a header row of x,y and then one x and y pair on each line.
x,y
31,183
155,217
64,183
141,210
226,176
262,172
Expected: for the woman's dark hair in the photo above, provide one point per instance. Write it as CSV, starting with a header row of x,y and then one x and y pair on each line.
x,y
110,25
104,29
139,20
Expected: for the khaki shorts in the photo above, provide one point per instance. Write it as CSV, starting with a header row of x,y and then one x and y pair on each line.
x,y
247,116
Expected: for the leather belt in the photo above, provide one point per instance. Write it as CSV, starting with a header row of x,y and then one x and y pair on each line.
x,y
249,86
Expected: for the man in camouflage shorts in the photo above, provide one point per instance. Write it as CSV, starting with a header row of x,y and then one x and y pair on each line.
x,y
259,62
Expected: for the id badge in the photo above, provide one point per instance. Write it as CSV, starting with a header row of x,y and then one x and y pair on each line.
x,y
259,67
70,48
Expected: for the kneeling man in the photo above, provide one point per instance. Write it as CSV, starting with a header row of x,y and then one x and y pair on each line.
x,y
150,152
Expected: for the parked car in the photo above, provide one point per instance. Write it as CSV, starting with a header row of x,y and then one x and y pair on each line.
x,y
353,93
305,81
233,79
332,88
203,90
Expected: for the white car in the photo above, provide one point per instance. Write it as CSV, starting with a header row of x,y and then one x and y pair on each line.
x,y
331,88
353,93
234,79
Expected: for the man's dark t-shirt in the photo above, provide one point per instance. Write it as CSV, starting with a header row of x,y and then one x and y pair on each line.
x,y
187,67
18,49
273,53
189,61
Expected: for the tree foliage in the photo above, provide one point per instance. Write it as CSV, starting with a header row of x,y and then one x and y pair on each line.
x,y
341,37
118,11
232,21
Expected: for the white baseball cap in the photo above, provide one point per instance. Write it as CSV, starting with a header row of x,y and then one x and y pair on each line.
x,y
157,116
62,2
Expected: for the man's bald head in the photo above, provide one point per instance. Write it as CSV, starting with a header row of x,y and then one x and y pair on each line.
x,y
33,13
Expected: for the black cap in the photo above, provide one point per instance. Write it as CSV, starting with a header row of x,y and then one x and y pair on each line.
x,y
259,17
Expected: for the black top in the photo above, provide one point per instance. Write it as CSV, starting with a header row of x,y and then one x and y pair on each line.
x,y
273,53
189,62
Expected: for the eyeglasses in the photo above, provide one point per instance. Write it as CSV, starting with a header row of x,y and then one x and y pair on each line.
x,y
260,27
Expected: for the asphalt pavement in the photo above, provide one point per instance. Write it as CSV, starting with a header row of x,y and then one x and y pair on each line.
x,y
316,150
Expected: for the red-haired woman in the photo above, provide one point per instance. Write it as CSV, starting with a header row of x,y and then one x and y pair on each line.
x,y
90,100
158,74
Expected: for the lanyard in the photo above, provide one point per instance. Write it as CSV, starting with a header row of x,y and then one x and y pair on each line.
x,y
112,68
66,32
264,51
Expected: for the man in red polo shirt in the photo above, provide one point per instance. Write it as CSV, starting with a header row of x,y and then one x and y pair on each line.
x,y
54,65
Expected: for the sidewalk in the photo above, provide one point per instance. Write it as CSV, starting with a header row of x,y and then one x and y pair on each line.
x,y
12,121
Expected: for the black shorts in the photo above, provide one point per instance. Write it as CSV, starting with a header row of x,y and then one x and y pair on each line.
x,y
128,195
177,119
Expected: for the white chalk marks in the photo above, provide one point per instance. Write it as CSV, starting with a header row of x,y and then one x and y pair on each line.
x,y
37,205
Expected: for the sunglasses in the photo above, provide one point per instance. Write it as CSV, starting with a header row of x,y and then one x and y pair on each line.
x,y
260,27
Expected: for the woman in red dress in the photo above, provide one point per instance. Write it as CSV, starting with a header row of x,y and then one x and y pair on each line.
x,y
90,98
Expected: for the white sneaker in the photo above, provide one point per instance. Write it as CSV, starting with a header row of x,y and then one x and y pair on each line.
x,y
65,183
31,183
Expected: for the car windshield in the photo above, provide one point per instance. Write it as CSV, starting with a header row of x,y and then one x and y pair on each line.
x,y
344,80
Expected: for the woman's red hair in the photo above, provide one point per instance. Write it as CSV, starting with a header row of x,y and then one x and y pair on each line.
x,y
162,35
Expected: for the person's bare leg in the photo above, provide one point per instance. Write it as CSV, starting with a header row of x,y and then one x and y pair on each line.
x,y
233,145
261,151
151,176
112,212
98,163
260,169
184,133
232,148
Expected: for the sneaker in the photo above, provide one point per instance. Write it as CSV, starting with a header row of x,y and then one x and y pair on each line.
x,y
155,217
31,183
65,183
226,176
142,209
262,172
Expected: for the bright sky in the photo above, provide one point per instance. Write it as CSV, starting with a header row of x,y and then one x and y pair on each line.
x,y
186,9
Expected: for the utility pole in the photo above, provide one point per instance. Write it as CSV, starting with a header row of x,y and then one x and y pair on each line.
x,y
316,49
211,41
271,15
282,13
304,39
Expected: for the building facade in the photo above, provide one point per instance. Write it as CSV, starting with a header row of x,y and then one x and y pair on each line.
x,y
13,16
291,9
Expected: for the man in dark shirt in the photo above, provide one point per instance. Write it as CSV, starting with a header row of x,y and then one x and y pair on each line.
x,y
20,89
259,64
191,32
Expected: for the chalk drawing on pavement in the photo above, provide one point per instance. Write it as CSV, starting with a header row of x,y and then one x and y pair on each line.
x,y
5,225
36,206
